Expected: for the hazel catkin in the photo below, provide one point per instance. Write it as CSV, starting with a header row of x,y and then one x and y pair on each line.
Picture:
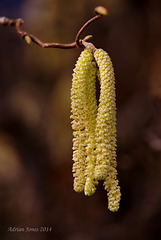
x,y
105,168
84,109
94,128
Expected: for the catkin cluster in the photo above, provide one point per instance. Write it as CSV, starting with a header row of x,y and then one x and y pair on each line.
x,y
94,127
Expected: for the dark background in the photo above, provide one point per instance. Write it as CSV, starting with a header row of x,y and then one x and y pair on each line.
x,y
35,132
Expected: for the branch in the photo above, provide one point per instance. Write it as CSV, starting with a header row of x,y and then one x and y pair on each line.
x,y
78,43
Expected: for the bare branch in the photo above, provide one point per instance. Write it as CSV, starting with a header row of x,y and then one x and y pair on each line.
x,y
99,11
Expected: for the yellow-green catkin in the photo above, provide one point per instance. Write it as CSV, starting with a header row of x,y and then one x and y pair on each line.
x,y
105,168
83,106
91,113
113,190
106,116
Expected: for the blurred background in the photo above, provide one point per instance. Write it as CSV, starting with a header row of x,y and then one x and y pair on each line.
x,y
36,184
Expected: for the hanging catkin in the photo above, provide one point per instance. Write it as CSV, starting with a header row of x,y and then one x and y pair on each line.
x,y
105,168
106,116
84,111
94,130
91,112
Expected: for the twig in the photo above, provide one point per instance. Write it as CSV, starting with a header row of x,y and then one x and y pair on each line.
x,y
77,40
99,11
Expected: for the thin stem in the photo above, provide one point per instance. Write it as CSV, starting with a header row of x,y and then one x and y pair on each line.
x,y
23,34
77,43
89,45
77,39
